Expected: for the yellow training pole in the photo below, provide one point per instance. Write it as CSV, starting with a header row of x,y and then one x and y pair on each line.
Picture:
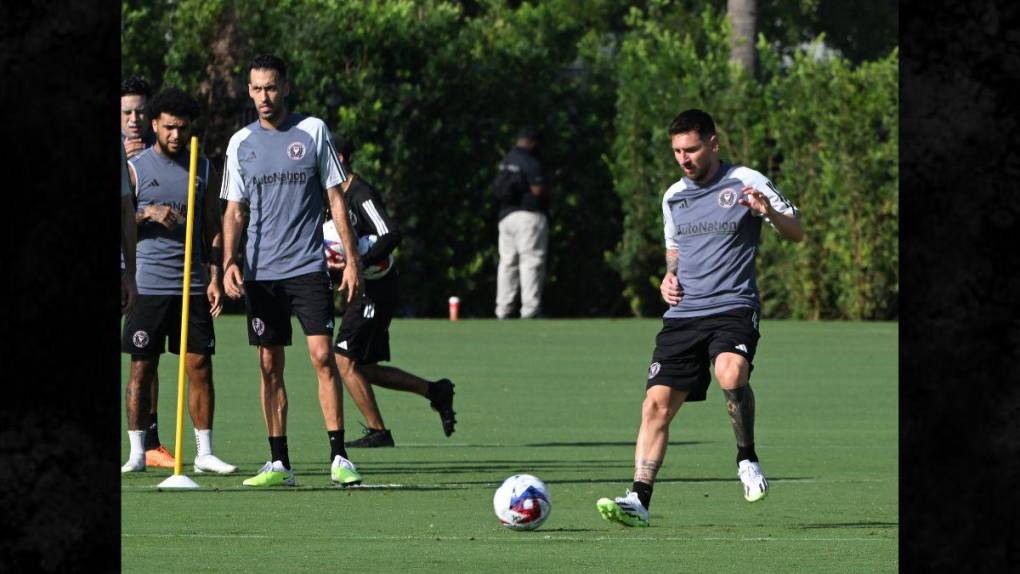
x,y
188,238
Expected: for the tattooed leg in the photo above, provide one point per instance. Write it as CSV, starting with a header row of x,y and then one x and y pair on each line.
x,y
136,396
646,469
740,405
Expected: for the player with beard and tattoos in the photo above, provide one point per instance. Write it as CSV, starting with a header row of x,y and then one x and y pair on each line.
x,y
160,178
712,226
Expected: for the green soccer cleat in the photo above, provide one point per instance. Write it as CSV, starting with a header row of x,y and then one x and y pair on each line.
x,y
272,474
343,473
625,510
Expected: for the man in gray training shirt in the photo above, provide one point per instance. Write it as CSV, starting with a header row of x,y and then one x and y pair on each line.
x,y
712,226
136,136
278,168
160,179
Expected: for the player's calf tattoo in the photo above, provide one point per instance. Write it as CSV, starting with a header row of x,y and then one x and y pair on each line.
x,y
740,405
645,470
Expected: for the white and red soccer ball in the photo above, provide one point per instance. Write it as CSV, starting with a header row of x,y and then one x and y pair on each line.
x,y
334,250
522,502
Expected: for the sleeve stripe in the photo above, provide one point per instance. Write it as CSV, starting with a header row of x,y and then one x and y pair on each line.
x,y
377,220
339,166
224,186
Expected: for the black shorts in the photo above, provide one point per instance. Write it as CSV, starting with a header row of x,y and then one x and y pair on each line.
x,y
269,305
365,331
685,348
156,318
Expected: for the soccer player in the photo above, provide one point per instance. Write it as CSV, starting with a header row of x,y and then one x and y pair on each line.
x,y
160,179
278,167
135,133
364,336
712,226
136,136
128,238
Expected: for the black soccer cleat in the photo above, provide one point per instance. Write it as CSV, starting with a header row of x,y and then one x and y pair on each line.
x,y
373,438
441,398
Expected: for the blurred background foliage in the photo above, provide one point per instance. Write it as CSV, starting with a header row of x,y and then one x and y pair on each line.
x,y
432,93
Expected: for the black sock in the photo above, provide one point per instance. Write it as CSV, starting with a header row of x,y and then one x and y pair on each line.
x,y
746,453
644,492
278,448
152,433
336,444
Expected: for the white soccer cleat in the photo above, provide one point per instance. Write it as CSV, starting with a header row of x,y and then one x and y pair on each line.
x,y
211,463
134,465
755,485
625,510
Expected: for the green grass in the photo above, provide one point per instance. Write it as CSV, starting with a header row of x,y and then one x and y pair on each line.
x,y
561,400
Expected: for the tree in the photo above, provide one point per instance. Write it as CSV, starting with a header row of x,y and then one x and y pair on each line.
x,y
743,17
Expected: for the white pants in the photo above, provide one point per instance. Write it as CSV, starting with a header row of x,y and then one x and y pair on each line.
x,y
523,239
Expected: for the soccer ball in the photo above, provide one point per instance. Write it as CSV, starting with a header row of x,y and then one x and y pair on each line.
x,y
334,248
522,502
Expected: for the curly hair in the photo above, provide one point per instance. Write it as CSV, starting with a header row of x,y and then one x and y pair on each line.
x,y
175,102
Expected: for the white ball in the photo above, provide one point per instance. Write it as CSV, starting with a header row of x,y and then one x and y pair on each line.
x,y
334,248
522,502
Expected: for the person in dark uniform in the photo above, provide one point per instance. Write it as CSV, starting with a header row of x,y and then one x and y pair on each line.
x,y
364,339
523,228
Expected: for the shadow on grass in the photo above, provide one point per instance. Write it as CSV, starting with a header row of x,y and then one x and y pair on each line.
x,y
842,525
629,443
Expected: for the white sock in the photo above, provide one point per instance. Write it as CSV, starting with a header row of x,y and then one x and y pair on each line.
x,y
137,440
203,441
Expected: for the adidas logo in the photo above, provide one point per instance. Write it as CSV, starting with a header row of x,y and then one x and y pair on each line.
x,y
683,203
155,183
741,347
342,345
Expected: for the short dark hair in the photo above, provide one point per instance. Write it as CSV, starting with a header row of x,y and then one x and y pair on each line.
x,y
269,62
175,102
343,144
527,133
135,86
693,120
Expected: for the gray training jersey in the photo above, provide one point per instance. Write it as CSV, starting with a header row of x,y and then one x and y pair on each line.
x,y
160,180
282,174
717,239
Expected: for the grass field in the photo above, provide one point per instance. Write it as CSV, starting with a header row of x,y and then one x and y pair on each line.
x,y
559,399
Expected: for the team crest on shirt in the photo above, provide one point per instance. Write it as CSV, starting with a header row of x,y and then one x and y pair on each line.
x,y
258,326
296,151
653,369
727,198
140,339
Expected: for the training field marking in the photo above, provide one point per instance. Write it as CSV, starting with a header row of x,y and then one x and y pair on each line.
x,y
464,485
526,538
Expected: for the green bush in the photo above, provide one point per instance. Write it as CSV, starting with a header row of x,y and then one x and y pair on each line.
x,y
434,91
823,131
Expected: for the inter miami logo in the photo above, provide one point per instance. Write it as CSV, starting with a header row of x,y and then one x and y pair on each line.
x,y
653,370
727,198
258,326
296,151
140,339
